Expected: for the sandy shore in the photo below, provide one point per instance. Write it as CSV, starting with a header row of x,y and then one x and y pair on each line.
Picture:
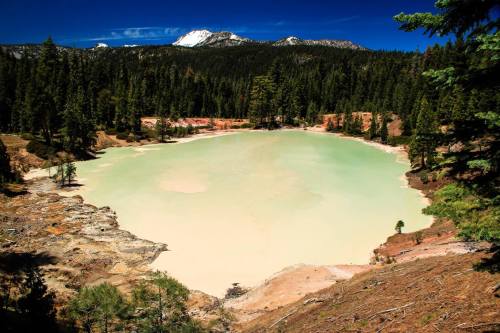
x,y
137,146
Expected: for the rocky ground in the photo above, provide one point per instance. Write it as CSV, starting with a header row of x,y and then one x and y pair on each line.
x,y
80,243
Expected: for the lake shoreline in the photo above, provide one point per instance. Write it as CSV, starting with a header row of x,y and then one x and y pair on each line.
x,y
246,309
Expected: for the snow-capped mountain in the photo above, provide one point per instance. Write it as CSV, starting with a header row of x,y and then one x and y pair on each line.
x,y
292,40
193,38
208,38
224,38
101,45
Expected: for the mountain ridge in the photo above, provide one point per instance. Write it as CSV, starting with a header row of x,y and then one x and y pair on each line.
x,y
199,38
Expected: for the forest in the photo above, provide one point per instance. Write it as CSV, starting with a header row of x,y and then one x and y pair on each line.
x,y
446,96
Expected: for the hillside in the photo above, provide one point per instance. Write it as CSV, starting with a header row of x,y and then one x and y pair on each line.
x,y
439,294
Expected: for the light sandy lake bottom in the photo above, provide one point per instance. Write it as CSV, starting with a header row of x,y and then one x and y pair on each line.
x,y
238,208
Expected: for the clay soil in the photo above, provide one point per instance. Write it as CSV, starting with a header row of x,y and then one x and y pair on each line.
x,y
438,294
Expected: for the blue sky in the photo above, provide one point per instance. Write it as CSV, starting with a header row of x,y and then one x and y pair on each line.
x,y
84,23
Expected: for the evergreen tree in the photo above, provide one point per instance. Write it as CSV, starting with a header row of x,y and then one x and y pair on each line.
x,y
134,106
102,304
425,139
45,107
329,126
399,226
260,112
384,132
372,132
5,170
312,113
79,129
162,301
36,303
162,124
69,171
105,109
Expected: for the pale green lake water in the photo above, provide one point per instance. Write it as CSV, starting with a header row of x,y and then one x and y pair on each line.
x,y
240,207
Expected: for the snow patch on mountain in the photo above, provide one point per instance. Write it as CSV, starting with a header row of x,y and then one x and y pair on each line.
x,y
101,45
193,38
224,38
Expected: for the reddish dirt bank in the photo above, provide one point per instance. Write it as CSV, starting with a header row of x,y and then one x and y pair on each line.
x,y
20,158
393,126
439,294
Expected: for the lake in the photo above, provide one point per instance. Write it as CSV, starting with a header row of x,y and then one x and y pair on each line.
x,y
240,207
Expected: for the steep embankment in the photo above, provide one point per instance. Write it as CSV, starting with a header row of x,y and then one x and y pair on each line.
x,y
439,294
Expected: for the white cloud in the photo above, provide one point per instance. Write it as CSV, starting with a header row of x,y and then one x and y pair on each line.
x,y
147,33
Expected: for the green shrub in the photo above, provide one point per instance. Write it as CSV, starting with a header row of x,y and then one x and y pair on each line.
x,y
110,131
27,136
476,217
399,140
424,176
122,136
40,149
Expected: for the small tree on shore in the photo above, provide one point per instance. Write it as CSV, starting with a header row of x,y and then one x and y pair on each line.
x,y
69,171
59,175
372,132
329,126
162,124
399,226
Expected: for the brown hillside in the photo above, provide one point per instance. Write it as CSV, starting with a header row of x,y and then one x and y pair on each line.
x,y
439,294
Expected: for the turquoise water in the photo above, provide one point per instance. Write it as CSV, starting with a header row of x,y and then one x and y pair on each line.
x,y
240,207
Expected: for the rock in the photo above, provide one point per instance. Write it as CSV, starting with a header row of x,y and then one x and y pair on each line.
x,y
84,241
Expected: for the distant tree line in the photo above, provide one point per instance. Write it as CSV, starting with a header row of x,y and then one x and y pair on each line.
x,y
65,95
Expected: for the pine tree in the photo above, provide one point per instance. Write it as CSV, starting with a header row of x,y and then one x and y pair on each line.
x,y
45,107
79,128
163,300
134,106
105,109
399,226
5,169
425,139
260,112
36,303
372,132
312,113
102,304
384,132
69,171
162,124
